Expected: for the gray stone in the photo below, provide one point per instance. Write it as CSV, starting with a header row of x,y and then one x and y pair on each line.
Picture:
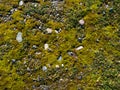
x,y
57,66
19,37
44,68
34,46
49,30
79,48
81,22
28,69
72,54
21,3
44,87
59,58
79,77
46,46
13,61
80,40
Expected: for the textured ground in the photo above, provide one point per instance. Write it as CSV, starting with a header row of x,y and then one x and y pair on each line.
x,y
60,45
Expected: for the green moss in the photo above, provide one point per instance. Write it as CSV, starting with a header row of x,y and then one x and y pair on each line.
x,y
95,67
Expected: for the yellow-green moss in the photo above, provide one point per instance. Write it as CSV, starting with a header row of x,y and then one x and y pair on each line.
x,y
97,63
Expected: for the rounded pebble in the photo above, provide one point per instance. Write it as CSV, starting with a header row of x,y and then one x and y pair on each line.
x,y
44,68
21,3
57,66
81,22
19,37
46,46
49,30
79,48
62,65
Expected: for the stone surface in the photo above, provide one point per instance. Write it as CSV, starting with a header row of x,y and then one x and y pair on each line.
x,y
44,68
62,65
81,22
59,58
49,30
79,48
19,37
37,53
46,46
57,66
21,3
80,40
34,46
13,61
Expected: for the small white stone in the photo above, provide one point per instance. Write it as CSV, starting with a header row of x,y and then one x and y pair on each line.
x,y
61,79
46,46
28,69
56,31
12,10
60,58
57,66
35,5
13,60
44,68
34,46
24,20
106,6
81,22
21,3
49,30
19,37
24,62
38,53
57,15
81,4
62,65
40,27
79,48
16,9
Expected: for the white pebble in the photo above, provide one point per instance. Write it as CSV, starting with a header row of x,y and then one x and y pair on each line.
x,y
40,27
61,79
35,5
57,66
56,31
81,3
46,46
44,68
28,69
106,6
21,3
34,46
16,9
49,30
19,37
24,62
38,53
62,65
79,48
60,58
81,22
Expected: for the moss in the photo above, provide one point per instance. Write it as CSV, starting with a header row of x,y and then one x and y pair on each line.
x,y
94,67
9,79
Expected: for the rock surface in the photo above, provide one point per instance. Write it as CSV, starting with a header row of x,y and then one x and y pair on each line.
x,y
21,3
19,37
46,46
